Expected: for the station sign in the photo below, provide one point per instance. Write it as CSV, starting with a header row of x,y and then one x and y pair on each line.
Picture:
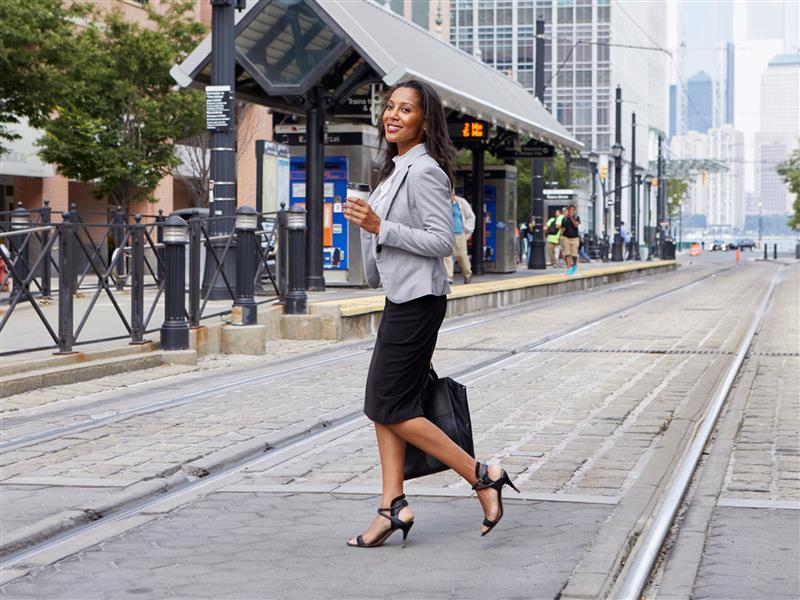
x,y
466,130
530,149
346,138
354,106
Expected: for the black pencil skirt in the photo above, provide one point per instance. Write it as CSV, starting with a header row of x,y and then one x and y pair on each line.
x,y
401,358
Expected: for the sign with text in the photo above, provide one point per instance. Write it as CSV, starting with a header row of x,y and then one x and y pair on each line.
x,y
468,129
530,149
218,107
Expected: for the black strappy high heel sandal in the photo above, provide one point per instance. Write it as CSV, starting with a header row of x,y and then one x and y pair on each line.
x,y
483,482
398,504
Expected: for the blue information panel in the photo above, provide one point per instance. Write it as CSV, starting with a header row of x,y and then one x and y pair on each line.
x,y
490,224
334,225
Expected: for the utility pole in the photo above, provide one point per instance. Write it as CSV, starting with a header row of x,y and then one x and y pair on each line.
x,y
536,257
660,198
634,251
616,151
315,182
221,122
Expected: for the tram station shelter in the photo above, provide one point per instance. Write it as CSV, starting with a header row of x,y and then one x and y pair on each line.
x,y
315,60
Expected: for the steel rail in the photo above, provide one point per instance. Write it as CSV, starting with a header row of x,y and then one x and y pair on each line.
x,y
645,556
88,424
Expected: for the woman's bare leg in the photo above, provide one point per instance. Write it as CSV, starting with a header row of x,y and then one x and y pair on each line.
x,y
392,449
430,439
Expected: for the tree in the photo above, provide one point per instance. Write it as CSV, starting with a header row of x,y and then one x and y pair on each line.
x,y
790,171
677,188
36,41
116,125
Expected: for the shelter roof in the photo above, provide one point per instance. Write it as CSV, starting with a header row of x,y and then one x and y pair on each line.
x,y
284,47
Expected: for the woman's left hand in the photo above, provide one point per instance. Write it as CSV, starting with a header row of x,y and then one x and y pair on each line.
x,y
360,212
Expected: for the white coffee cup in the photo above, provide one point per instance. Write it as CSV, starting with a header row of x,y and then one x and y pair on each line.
x,y
358,190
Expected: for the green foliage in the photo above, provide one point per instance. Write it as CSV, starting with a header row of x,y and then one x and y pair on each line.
x,y
36,45
524,167
790,171
677,189
116,125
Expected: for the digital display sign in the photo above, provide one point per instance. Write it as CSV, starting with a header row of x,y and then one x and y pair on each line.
x,y
468,130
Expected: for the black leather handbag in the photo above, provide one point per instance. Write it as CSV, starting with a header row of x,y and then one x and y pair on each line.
x,y
444,403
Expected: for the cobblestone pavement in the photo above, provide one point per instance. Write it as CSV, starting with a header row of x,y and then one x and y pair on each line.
x,y
751,554
156,445
575,422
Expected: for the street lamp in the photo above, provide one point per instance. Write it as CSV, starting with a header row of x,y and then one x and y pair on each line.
x,y
760,206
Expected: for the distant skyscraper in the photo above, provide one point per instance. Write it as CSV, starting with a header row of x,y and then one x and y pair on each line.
x,y
730,87
673,110
699,101
779,132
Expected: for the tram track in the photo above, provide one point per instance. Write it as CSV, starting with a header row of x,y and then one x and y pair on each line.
x,y
311,362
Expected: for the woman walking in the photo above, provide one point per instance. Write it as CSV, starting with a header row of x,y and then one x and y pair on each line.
x,y
406,230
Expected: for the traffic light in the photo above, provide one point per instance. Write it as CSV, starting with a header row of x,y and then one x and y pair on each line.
x,y
603,172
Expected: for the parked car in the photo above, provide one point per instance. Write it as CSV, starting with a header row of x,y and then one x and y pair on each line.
x,y
719,245
733,245
747,245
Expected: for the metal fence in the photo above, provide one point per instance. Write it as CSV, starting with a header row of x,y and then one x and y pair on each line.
x,y
86,256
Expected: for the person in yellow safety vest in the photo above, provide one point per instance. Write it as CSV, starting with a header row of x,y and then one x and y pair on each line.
x,y
554,225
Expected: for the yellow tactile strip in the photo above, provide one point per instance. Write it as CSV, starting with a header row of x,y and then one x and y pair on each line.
x,y
353,307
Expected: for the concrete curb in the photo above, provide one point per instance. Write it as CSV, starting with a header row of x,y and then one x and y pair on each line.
x,y
26,381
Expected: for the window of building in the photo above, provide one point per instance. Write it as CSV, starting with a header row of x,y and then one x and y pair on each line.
x,y
583,113
420,13
398,6
583,78
564,113
564,14
505,13
583,14
603,142
525,15
603,78
565,78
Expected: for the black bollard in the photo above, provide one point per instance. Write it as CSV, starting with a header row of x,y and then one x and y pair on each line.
x,y
175,329
775,251
245,311
766,255
66,282
296,298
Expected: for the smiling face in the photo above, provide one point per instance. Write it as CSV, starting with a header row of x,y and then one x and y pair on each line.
x,y
403,119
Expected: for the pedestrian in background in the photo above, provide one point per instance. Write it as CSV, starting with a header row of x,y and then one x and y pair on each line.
x,y
626,239
463,226
406,231
570,239
553,232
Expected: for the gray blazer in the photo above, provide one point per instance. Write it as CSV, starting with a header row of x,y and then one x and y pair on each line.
x,y
416,233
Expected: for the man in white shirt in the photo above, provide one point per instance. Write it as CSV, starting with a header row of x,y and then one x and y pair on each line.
x,y
463,226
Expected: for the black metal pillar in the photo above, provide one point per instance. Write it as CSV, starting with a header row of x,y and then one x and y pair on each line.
x,y
536,255
634,251
296,298
315,181
567,166
120,220
223,144
160,218
137,281
175,329
616,248
478,241
195,248
245,311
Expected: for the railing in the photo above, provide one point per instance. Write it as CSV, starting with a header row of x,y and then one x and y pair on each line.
x,y
120,260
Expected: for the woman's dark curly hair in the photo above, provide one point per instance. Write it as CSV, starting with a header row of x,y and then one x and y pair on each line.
x,y
436,138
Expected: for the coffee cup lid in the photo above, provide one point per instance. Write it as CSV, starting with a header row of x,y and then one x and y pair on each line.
x,y
360,187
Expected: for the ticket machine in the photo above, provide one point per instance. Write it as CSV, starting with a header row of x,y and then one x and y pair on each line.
x,y
500,210
351,154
